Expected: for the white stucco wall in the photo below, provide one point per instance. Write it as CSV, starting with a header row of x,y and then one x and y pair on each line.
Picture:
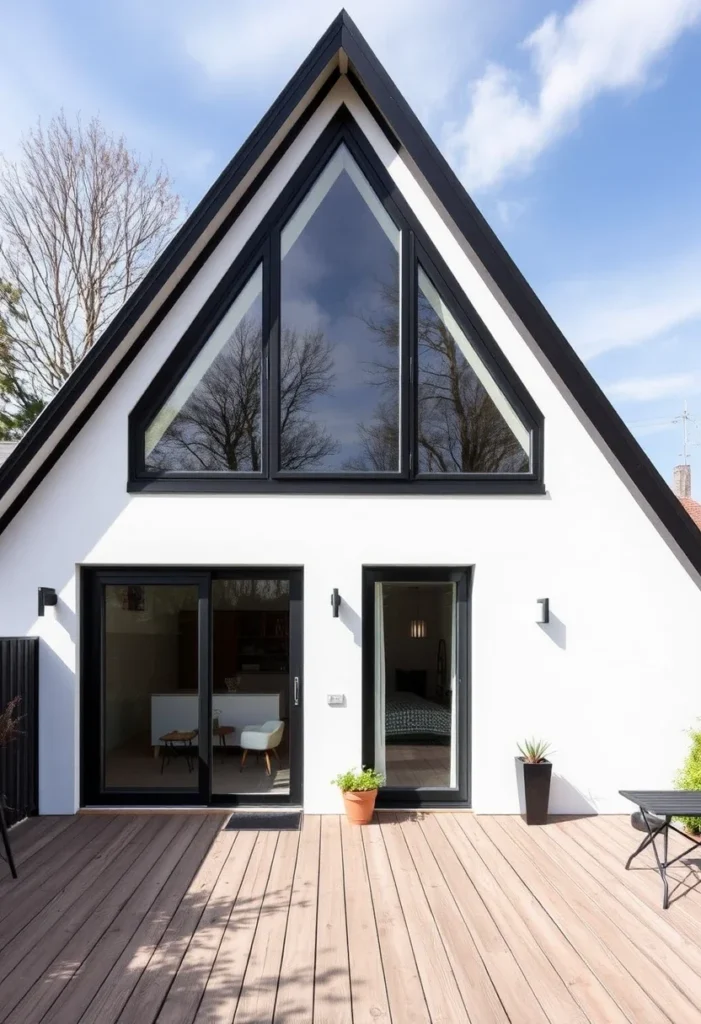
x,y
612,682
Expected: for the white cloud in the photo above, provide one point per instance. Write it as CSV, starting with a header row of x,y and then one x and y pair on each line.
x,y
599,47
247,45
649,389
620,310
511,210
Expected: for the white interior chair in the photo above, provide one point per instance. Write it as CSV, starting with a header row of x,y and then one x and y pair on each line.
x,y
263,739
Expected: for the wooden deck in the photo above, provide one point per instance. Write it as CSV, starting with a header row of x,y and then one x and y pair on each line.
x,y
417,918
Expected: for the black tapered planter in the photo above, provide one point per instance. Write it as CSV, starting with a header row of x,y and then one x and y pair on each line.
x,y
534,789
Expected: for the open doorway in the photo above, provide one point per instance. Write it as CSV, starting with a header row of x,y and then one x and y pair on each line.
x,y
415,685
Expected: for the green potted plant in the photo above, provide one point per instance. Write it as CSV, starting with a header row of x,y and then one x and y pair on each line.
x,y
359,790
533,771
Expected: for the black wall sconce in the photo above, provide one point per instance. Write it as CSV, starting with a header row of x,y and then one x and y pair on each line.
x,y
47,596
335,602
543,613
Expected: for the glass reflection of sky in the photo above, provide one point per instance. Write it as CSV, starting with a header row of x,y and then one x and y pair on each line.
x,y
339,277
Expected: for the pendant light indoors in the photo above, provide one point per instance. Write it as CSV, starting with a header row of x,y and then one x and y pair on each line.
x,y
417,627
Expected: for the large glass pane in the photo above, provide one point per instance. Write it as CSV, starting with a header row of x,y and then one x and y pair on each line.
x,y
339,361
251,682
150,687
465,423
212,420
415,657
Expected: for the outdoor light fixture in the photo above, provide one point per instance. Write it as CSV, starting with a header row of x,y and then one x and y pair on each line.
x,y
335,602
543,613
47,596
417,626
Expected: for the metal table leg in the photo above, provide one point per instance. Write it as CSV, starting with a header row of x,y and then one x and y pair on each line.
x,y
662,863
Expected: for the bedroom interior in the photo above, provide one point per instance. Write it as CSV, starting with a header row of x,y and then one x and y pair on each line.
x,y
151,652
417,719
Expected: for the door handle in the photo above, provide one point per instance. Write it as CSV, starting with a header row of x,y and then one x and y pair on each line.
x,y
296,689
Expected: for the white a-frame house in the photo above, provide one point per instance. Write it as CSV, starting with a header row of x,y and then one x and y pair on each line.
x,y
333,489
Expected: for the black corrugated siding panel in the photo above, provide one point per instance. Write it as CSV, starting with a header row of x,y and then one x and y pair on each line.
x,y
19,677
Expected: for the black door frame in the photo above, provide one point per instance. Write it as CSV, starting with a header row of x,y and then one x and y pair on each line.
x,y
92,790
396,796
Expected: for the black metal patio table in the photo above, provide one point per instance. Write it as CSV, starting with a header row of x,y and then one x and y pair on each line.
x,y
665,804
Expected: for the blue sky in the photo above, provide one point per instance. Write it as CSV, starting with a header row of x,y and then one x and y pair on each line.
x,y
576,126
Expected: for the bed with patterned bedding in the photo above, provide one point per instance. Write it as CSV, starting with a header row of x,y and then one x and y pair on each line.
x,y
408,715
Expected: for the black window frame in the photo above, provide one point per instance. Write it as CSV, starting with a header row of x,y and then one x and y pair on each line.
x,y
263,248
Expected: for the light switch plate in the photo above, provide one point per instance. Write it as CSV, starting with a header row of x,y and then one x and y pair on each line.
x,y
336,700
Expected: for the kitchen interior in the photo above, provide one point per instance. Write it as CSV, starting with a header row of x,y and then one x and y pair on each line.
x,y
151,663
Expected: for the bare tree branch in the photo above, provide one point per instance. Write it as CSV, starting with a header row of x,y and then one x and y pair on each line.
x,y
219,426
81,220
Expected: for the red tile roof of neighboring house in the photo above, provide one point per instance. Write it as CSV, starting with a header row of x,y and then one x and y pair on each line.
x,y
693,508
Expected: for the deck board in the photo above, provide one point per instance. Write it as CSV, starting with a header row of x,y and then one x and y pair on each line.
x,y
407,1001
332,993
224,984
417,918
110,917
440,987
256,1003
295,991
367,977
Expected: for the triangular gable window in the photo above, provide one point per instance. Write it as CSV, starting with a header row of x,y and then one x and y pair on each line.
x,y
212,418
339,344
337,354
465,422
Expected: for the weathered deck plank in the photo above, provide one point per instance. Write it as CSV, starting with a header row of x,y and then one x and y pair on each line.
x,y
415,919
295,991
368,987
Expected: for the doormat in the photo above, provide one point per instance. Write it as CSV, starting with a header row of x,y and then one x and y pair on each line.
x,y
264,821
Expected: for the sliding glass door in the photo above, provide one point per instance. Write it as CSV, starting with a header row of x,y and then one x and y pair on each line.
x,y
191,687
256,630
416,696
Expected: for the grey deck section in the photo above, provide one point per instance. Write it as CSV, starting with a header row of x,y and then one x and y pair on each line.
x,y
417,918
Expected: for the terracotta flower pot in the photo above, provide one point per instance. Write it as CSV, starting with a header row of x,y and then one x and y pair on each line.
x,y
360,806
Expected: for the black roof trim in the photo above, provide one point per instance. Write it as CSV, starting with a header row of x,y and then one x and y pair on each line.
x,y
399,122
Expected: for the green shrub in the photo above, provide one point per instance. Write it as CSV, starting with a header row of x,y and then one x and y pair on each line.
x,y
358,781
689,777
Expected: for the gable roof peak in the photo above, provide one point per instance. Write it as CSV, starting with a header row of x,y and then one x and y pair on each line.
x,y
104,363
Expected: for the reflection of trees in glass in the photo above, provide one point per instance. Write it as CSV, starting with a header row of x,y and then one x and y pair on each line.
x,y
252,592
460,430
306,371
219,426
378,438
161,602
